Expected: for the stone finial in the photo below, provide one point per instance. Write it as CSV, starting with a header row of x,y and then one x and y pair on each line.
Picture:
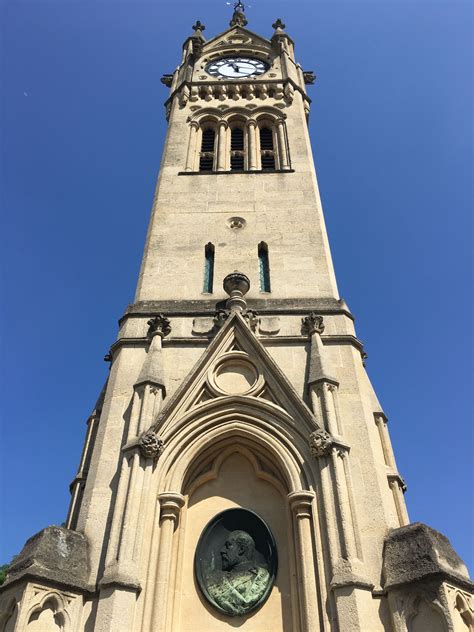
x,y
278,25
151,446
239,19
198,27
320,443
159,326
313,324
236,285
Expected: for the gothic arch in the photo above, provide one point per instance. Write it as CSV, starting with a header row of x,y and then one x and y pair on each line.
x,y
465,611
55,602
247,113
252,421
429,614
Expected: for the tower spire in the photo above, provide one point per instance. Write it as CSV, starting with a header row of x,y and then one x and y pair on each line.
x,y
239,19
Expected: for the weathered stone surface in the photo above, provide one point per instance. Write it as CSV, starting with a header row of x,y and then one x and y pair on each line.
x,y
417,552
55,553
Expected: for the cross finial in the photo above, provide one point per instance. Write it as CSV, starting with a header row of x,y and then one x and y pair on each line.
x,y
278,25
198,26
239,19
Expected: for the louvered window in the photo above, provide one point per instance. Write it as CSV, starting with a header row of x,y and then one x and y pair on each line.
x,y
208,268
267,150
237,160
264,267
206,158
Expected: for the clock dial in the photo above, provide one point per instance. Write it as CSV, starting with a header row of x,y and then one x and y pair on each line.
x,y
236,67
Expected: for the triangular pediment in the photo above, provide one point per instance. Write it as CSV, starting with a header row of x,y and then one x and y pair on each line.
x,y
236,37
235,366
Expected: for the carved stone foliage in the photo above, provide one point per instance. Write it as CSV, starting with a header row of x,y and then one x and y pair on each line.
x,y
312,324
220,317
251,317
159,326
151,446
320,443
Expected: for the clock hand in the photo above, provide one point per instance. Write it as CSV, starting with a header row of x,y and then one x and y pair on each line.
x,y
235,67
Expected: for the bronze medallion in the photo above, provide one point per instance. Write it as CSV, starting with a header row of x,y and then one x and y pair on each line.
x,y
236,562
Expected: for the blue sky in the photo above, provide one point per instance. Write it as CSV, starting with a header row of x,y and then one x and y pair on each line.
x,y
83,129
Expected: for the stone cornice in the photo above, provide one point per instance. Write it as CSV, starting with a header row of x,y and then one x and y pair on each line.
x,y
267,306
340,339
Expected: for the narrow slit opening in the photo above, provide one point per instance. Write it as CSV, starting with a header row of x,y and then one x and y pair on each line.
x,y
264,267
208,268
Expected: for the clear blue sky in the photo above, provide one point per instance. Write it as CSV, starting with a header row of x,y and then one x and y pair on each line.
x,y
83,130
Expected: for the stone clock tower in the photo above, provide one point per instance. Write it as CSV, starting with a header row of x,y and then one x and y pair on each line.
x,y
237,470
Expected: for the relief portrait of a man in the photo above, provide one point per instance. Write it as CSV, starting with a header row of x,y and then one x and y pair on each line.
x,y
242,582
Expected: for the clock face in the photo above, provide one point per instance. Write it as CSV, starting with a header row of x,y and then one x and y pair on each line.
x,y
236,67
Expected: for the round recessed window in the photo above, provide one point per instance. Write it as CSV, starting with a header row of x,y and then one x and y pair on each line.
x,y
235,377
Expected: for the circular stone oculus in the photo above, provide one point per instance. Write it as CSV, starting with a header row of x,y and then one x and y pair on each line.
x,y
234,374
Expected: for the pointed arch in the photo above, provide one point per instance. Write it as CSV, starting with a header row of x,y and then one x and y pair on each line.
x,y
261,426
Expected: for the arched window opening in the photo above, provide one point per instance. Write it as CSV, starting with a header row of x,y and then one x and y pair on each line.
x,y
206,157
208,268
264,267
267,149
237,155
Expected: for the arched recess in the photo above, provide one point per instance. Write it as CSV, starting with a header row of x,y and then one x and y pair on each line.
x,y
246,152
49,615
464,612
425,615
229,452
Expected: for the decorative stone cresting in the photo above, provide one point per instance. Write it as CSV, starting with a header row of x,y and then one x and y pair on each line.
x,y
159,326
151,446
313,324
320,443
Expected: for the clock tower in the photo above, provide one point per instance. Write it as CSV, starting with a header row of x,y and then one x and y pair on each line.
x,y
237,469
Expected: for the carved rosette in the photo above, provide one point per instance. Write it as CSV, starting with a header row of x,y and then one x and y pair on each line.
x,y
320,443
313,324
159,326
151,446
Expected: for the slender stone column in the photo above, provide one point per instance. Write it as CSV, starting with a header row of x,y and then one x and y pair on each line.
x,y
171,504
282,146
190,157
252,144
301,503
222,146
